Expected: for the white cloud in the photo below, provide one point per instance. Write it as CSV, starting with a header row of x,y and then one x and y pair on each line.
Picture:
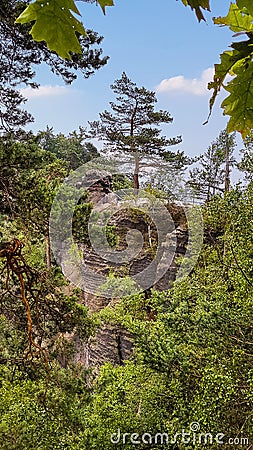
x,y
195,86
44,91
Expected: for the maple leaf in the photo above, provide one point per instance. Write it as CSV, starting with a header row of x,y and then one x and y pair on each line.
x,y
55,24
246,6
229,61
237,63
239,104
237,20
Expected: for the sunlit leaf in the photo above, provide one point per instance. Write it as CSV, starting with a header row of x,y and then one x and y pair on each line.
x,y
239,104
236,20
246,5
229,61
237,63
55,24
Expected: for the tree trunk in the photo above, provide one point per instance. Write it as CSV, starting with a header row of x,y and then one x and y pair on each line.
x,y
134,152
48,259
227,177
136,173
208,192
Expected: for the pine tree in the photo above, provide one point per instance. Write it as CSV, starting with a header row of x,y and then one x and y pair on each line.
x,y
73,148
213,174
133,125
246,164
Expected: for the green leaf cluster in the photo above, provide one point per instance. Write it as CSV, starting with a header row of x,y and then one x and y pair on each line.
x,y
59,34
193,341
55,23
237,63
192,357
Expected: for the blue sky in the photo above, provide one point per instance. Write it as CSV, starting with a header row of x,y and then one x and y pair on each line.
x,y
160,45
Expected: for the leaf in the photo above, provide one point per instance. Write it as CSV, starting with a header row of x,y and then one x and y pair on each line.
x,y
229,61
237,20
104,3
55,24
245,4
239,104
196,5
238,63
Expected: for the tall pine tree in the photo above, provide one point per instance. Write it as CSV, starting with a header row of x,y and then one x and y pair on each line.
x,y
133,125
246,164
213,174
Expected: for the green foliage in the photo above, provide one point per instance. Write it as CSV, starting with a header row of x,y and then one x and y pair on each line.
x,y
80,225
74,148
195,338
238,104
238,64
128,398
60,35
208,177
246,164
20,55
118,287
32,169
238,18
80,222
129,124
104,3
20,158
120,181
30,421
111,235
41,188
197,6
192,357
54,310
56,25
133,126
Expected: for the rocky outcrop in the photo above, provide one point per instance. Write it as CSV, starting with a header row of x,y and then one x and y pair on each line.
x,y
113,343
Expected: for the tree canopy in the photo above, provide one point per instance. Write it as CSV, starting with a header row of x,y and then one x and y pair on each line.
x,y
133,125
214,166
192,358
20,55
61,35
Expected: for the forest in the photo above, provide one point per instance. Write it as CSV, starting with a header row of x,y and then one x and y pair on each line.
x,y
144,358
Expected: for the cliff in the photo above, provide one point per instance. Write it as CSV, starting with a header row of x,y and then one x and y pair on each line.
x,y
113,343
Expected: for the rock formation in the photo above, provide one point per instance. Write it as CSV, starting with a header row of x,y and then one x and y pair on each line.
x,y
113,343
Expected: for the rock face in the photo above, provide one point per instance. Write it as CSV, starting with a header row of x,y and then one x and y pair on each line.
x,y
113,343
